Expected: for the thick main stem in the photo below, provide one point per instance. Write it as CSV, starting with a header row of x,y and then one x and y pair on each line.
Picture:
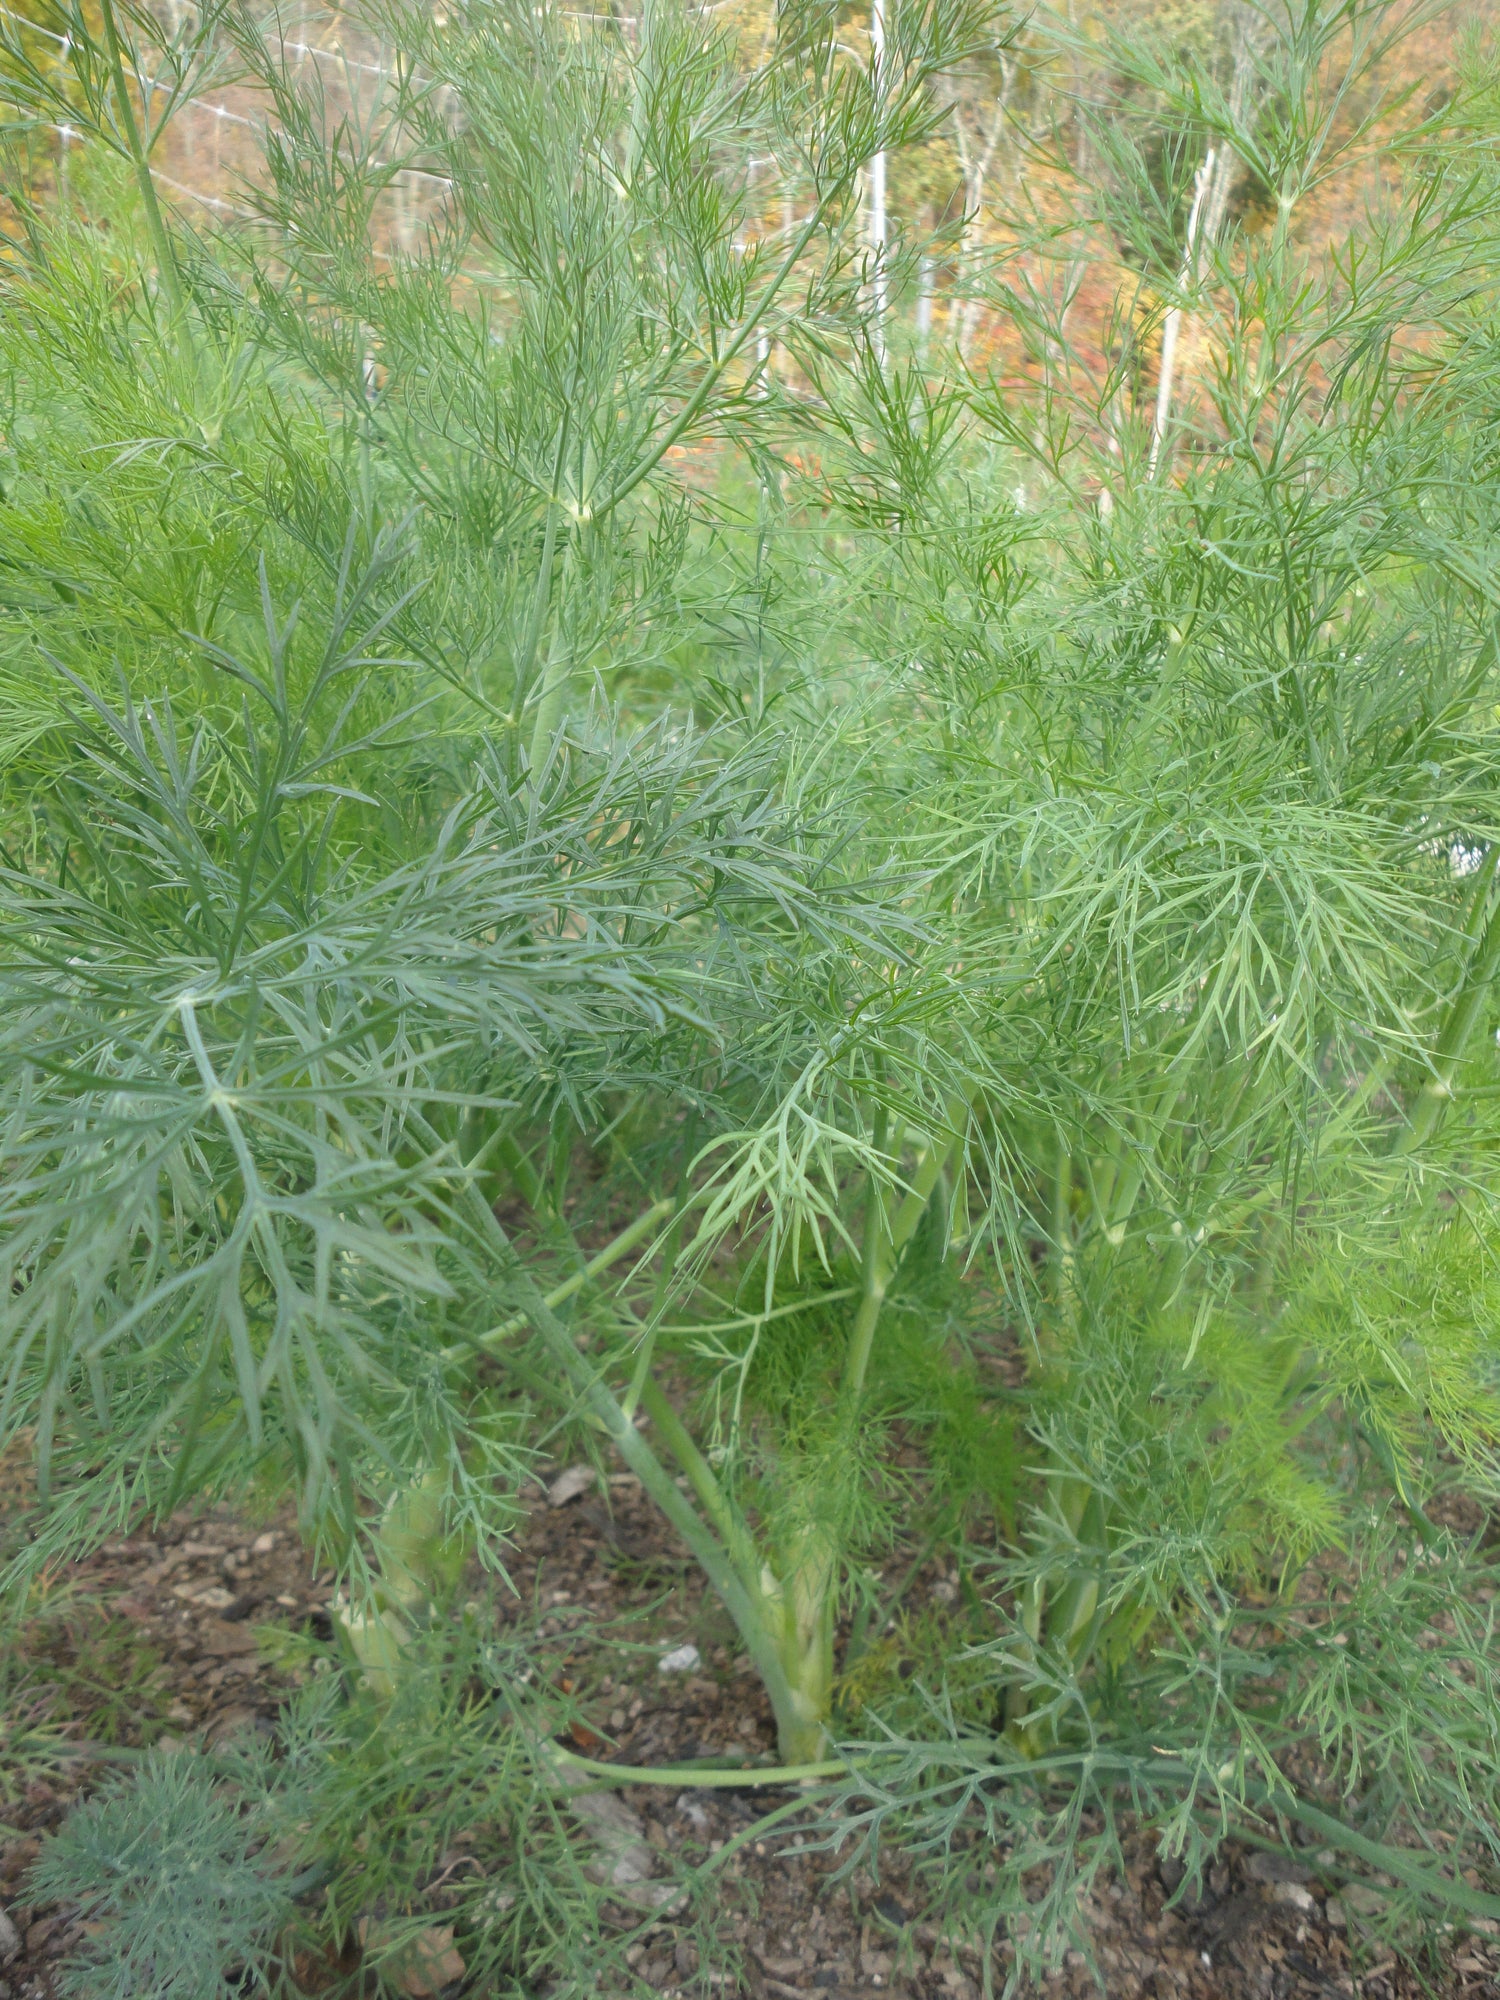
x,y
740,1595
785,1620
738,1599
805,1594
805,1598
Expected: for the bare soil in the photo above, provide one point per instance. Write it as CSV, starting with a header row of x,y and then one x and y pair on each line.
x,y
169,1637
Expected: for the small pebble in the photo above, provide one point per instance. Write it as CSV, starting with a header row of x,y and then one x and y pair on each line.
x,y
681,1660
568,1485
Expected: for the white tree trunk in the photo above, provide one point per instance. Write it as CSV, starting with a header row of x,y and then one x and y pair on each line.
x,y
1211,189
975,167
1172,326
879,275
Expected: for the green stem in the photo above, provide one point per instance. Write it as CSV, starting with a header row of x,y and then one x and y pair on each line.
x,y
874,1274
914,1202
885,1240
805,1600
1017,1703
643,1389
1123,1770
641,1374
653,456
610,1254
1117,1188
744,1604
713,1558
1063,1604
647,1349
753,1777
166,256
542,596
1463,1015
802,1702
554,677
521,1171
700,1476
1062,1232
1449,1889
787,1619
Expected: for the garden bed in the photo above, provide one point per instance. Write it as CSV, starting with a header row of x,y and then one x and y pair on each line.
x,y
191,1634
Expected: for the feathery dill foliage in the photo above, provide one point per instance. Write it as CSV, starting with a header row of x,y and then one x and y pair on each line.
x,y
175,1858
555,877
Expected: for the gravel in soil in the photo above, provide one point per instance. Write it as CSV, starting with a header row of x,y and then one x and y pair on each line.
x,y
163,1637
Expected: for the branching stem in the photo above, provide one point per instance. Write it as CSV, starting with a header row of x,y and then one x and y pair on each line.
x,y
166,256
714,374
612,1252
542,596
886,1237
1463,1013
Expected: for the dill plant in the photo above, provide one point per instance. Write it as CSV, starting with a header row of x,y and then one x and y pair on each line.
x,y
499,936
162,1848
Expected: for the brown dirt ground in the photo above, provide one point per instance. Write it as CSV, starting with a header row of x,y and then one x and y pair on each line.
x,y
154,1638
